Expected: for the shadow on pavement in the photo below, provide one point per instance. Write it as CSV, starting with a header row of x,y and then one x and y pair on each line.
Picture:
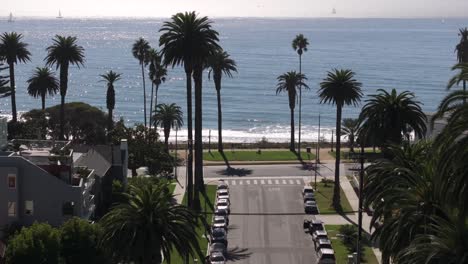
x,y
237,254
230,171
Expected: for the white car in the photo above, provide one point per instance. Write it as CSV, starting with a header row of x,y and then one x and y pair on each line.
x,y
222,185
220,222
326,256
223,204
223,196
222,192
319,234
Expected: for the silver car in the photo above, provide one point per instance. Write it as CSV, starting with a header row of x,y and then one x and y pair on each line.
x,y
319,234
217,258
218,247
223,204
220,222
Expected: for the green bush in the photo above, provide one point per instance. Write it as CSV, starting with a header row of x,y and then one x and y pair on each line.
x,y
349,236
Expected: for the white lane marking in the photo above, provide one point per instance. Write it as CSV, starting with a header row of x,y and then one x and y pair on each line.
x,y
233,182
276,181
240,182
284,182
248,182
269,182
298,181
262,182
291,182
255,181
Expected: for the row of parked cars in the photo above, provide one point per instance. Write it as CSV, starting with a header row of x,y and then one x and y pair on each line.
x,y
315,227
219,228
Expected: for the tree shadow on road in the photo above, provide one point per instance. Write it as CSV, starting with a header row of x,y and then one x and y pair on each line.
x,y
230,171
238,254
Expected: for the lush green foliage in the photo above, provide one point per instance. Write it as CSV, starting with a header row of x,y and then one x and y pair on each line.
x,y
39,243
43,83
148,226
110,78
5,89
324,197
350,129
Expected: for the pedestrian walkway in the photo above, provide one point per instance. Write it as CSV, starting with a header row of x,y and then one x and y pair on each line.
x,y
179,190
265,181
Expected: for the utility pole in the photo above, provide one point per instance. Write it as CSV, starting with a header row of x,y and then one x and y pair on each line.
x,y
361,178
176,157
209,142
318,142
332,141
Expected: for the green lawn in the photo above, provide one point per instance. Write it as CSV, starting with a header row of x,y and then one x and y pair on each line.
x,y
280,155
172,187
341,252
324,196
211,194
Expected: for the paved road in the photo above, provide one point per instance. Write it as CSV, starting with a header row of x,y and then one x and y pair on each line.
x,y
266,222
266,170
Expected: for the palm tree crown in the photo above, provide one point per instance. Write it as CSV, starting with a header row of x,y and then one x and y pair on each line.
x,y
147,226
462,47
167,117
140,50
392,114
220,63
340,88
350,129
111,77
13,49
65,51
462,75
43,82
300,44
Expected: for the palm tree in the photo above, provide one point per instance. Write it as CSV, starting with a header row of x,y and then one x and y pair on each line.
x,y
140,51
157,73
43,82
461,77
5,90
13,50
290,82
110,77
167,117
300,44
339,88
63,52
188,40
462,50
391,115
219,64
147,226
350,130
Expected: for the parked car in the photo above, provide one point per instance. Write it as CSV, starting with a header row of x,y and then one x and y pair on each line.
x,y
220,222
307,189
222,185
223,196
218,247
309,197
222,192
223,204
323,243
219,235
217,258
315,225
326,256
319,234
310,207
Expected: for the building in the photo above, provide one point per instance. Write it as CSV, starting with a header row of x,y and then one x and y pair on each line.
x,y
48,181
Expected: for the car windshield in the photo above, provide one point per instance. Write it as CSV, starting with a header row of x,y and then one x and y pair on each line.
x,y
219,221
217,258
222,204
218,232
221,212
328,256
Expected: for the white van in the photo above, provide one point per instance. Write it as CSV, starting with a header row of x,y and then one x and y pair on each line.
x,y
307,189
326,256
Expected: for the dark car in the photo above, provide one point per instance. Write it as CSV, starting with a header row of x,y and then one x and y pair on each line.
x,y
309,197
218,247
219,235
222,212
310,207
315,225
217,258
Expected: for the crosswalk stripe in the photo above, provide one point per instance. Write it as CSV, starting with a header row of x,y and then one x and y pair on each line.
x,y
255,181
262,182
298,181
233,182
248,182
269,182
291,182
277,181
240,183
284,182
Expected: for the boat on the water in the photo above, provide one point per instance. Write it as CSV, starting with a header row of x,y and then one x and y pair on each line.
x,y
10,17
333,11
60,15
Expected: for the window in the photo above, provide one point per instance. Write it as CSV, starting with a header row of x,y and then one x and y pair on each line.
x,y
11,181
11,209
29,207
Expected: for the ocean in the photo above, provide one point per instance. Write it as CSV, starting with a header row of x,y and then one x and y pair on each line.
x,y
405,54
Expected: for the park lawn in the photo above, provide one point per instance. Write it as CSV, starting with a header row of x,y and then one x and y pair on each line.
x,y
324,197
203,241
172,187
279,155
341,252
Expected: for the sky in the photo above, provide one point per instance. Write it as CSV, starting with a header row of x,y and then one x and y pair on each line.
x,y
237,8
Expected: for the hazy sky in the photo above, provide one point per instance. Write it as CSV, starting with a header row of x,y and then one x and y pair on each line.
x,y
238,8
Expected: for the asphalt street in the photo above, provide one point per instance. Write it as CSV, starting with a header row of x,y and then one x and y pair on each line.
x,y
266,222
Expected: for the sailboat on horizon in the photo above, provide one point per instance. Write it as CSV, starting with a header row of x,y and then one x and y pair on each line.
x,y
10,17
60,15
334,11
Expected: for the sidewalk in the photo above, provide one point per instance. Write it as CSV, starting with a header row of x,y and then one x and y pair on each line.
x,y
179,190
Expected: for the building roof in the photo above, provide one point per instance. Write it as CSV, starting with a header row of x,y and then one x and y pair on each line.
x,y
100,158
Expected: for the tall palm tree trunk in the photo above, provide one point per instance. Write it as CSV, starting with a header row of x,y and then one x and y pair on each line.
x,y
199,185
220,119
156,96
151,105
300,109
63,92
167,131
13,91
336,187
43,101
144,92
109,120
464,90
188,73
291,145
